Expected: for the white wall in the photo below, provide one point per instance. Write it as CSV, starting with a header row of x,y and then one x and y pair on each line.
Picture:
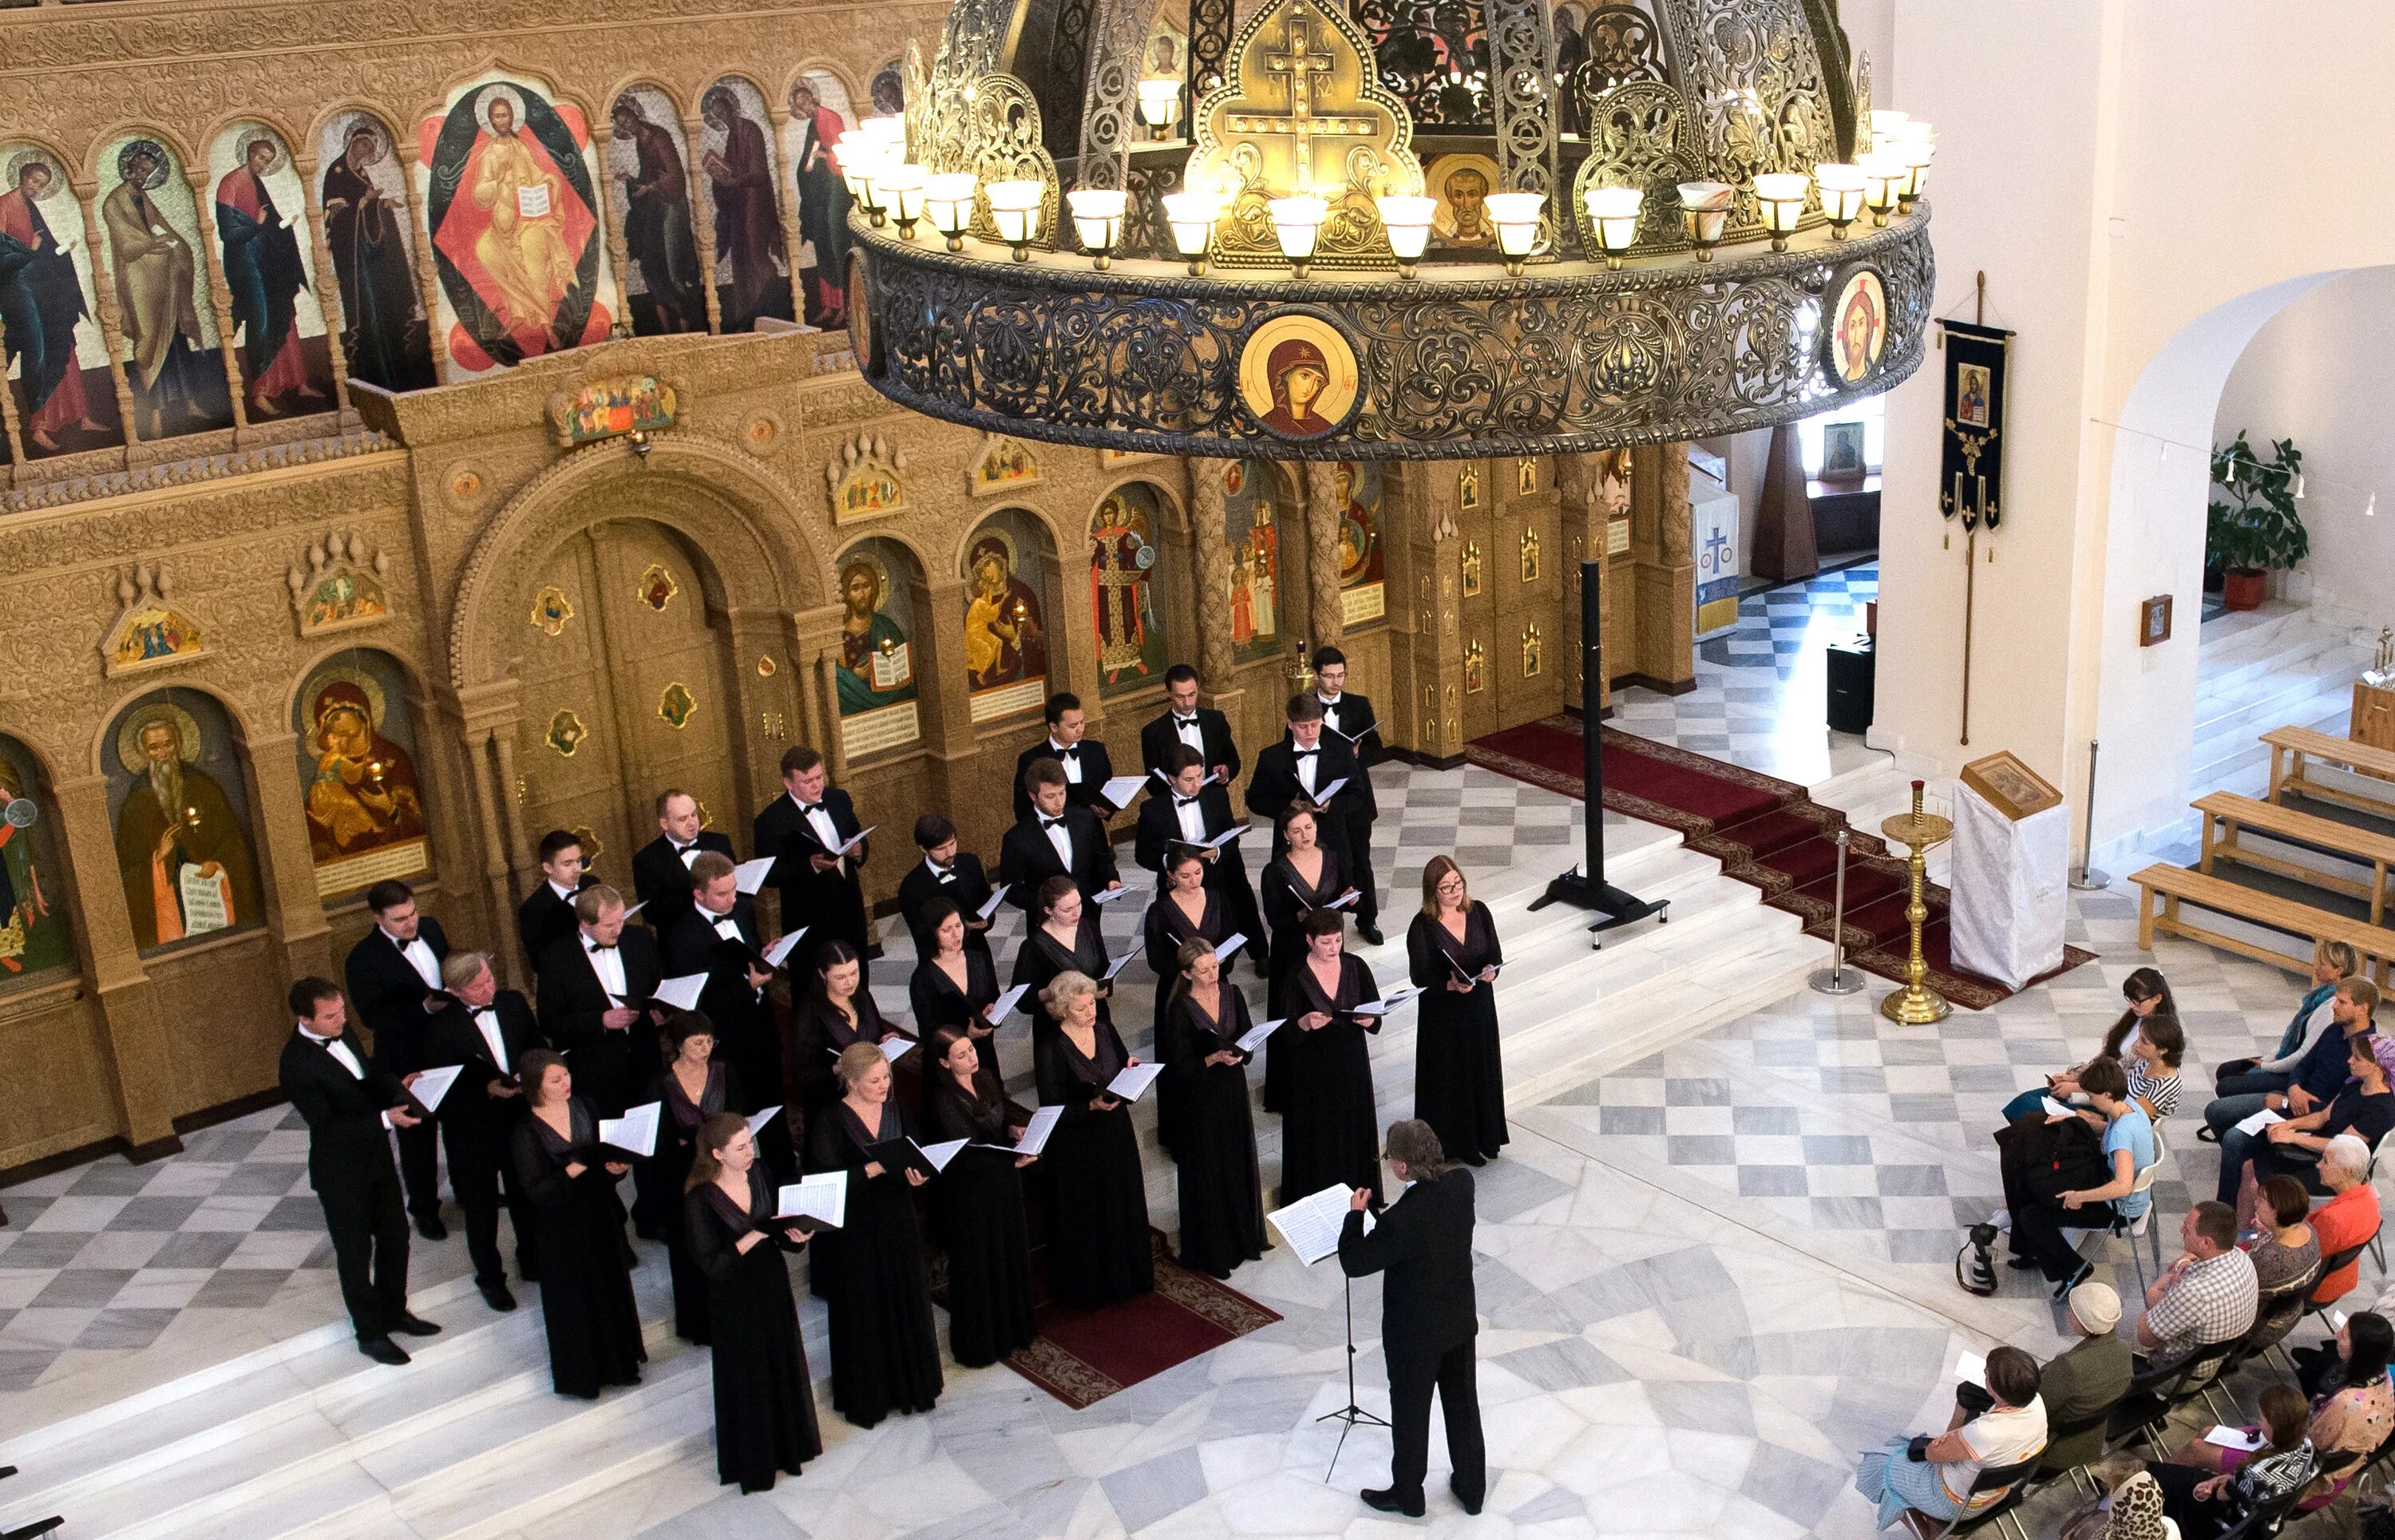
x,y
2323,373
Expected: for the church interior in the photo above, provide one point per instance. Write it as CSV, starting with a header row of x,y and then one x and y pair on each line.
x,y
1851,525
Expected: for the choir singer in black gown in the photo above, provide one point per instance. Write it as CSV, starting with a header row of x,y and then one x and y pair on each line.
x,y
1329,1133
692,1087
1185,814
1064,938
586,1288
837,1011
1185,911
764,1398
885,1357
1453,956
1301,882
955,985
1098,1247
978,1203
1221,1198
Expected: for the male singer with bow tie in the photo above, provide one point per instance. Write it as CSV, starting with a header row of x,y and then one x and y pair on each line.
x,y
1349,719
485,1029
1189,810
1087,769
944,872
391,972
718,937
802,831
347,1107
1295,771
1188,724
1054,838
546,917
661,868
595,987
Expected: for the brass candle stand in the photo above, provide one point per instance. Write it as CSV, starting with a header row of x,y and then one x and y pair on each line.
x,y
1916,1004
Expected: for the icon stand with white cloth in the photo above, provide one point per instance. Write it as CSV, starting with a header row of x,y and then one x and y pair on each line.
x,y
2009,893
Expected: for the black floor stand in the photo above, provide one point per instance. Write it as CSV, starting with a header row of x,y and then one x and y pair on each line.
x,y
1584,885
1351,1414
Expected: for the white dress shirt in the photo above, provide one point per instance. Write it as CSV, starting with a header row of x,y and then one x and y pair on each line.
x,y
1329,709
342,1057
945,873
1070,758
818,818
1186,729
608,963
565,895
1191,811
725,926
419,957
1306,761
688,853
1059,836
487,1021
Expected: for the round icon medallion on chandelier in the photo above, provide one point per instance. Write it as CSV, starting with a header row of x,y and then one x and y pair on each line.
x,y
1420,230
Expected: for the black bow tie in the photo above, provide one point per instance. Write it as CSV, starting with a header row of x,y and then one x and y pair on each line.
x,y
808,808
1307,753
1180,800
1069,753
600,945
1046,822
948,874
1185,722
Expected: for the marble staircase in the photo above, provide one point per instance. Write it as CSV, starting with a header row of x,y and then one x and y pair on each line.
x,y
2273,666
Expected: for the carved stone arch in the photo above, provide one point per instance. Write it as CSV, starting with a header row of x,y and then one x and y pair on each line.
x,y
244,729
47,755
380,111
500,64
1056,538
265,118
814,65
93,169
422,679
66,165
749,525
686,106
904,542
1146,477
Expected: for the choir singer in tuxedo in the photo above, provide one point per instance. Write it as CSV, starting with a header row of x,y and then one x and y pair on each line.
x,y
1295,771
945,873
546,917
1187,723
347,1107
392,973
803,830
661,868
1054,839
594,987
1348,718
1428,1318
1087,769
717,937
1186,812
486,1030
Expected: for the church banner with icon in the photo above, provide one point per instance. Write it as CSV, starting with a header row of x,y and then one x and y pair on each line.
x,y
357,765
1971,464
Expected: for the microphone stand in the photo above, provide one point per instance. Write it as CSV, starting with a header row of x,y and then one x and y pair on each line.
x,y
1351,1414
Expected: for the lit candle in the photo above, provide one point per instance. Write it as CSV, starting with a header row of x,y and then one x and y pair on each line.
x,y
1296,223
1781,196
1615,213
1842,195
1515,215
1407,219
1159,102
947,203
1016,207
1192,217
1883,178
1097,219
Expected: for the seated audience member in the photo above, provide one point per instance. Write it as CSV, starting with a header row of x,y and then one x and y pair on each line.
x,y
2363,1107
2318,1075
2148,996
2286,1259
2204,1297
2204,1507
2349,1217
2337,961
1933,1474
2077,1169
2350,1417
2127,1504
2085,1380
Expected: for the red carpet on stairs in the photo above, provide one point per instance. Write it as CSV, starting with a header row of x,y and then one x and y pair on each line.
x,y
1764,831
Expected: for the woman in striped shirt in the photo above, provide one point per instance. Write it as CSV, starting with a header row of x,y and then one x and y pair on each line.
x,y
2153,1062
2205,1507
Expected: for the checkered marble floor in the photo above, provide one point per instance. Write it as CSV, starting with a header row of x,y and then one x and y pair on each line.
x,y
1762,691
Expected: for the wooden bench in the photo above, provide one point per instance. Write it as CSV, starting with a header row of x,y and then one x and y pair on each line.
x,y
2291,747
2171,885
2226,815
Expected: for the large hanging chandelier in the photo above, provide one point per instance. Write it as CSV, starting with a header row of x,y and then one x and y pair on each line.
x,y
1419,230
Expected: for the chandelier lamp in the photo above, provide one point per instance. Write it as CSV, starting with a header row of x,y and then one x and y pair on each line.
x,y
1394,230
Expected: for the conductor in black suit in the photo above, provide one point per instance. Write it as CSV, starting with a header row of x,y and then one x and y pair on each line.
x,y
717,937
1087,769
595,986
1054,839
801,830
486,1030
391,974
1190,810
1185,722
661,868
1428,1318
1347,717
1296,770
347,1107
546,917
944,872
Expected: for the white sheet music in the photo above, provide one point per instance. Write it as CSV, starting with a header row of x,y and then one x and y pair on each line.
x,y
1133,1081
1388,1002
1322,798
1254,1037
635,1132
758,1121
1231,943
682,993
749,876
2233,1438
1972,1369
636,909
1036,1132
1310,1227
942,1153
433,1084
1116,966
1003,1007
991,907
1218,841
893,1048
2053,1108
2259,1121
823,1196
1120,791
1107,895
854,840
779,952
1342,901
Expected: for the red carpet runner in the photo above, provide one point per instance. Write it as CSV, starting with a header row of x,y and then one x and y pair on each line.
x,y
1082,1357
1765,832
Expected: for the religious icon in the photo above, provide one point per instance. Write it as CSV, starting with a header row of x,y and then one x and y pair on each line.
x,y
552,610
1842,451
1530,653
647,164
1526,476
1003,462
1470,569
676,706
150,632
657,587
1122,589
1254,542
56,356
1858,326
365,810
1530,544
1006,644
1297,375
1462,185
735,154
888,89
182,851
604,408
278,324
1475,668
2154,621
515,230
1362,596
339,594
1613,490
384,333
1972,392
565,733
877,667
34,937
1467,486
819,114
152,229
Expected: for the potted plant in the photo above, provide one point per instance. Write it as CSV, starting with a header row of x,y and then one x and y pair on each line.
x,y
2257,530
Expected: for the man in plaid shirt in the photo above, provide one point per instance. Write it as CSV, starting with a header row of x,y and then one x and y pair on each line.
x,y
2207,1296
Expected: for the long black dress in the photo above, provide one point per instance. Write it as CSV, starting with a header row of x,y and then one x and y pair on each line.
x,y
977,1202
1221,1198
1459,1083
669,1171
1289,898
1164,931
1329,1131
1040,959
764,1398
819,1033
936,1002
586,1289
885,1355
1098,1246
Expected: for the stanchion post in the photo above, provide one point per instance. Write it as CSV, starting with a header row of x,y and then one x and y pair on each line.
x,y
1838,978
2088,879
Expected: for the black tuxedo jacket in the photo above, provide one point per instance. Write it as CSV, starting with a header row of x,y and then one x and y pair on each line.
x,y
388,994
1354,717
607,1066
967,888
1096,770
1027,857
544,918
450,1037
822,899
734,1004
346,1145
1423,1242
696,946
1160,737
662,881
1276,784
1160,824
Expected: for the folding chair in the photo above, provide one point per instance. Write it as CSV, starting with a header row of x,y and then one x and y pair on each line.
x,y
2141,1411
1991,1479
2377,1242
2143,1224
2330,1265
2265,1520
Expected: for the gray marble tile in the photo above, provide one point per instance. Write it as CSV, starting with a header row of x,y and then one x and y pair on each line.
x,y
1911,1181
84,1286
1630,1120
1709,1406
1564,1364
1837,1149
1798,1489
1151,1490
1772,1181
111,1178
